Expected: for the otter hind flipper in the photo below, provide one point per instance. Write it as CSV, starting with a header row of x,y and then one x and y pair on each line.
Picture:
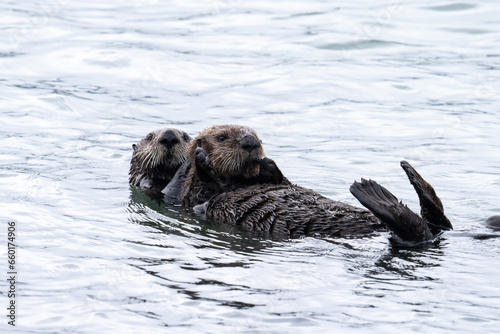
x,y
403,222
431,208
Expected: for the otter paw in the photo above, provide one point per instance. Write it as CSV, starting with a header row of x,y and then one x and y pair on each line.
x,y
203,162
269,172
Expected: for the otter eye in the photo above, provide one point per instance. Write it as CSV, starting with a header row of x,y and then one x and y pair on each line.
x,y
186,137
149,137
221,138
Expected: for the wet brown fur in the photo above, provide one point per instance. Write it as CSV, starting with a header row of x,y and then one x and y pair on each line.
x,y
290,211
235,166
154,161
284,210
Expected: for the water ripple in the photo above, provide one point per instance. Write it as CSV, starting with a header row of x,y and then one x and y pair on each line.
x,y
336,92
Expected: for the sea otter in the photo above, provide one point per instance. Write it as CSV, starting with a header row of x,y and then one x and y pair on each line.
x,y
225,158
281,210
156,158
493,222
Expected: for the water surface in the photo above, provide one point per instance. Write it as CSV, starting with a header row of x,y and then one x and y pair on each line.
x,y
336,90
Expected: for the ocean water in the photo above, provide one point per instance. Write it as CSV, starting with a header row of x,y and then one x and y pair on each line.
x,y
336,90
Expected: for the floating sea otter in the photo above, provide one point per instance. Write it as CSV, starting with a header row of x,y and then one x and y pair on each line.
x,y
226,158
229,179
156,159
493,222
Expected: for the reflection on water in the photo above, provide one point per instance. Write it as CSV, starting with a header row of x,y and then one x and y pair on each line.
x,y
337,91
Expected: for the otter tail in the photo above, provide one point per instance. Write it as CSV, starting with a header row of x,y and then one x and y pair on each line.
x,y
407,226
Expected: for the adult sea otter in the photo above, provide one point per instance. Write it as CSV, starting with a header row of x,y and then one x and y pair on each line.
x,y
229,180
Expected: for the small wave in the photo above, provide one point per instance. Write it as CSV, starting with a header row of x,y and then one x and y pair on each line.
x,y
359,45
452,7
10,54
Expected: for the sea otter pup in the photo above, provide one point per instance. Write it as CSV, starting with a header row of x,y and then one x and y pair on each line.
x,y
156,158
225,158
282,210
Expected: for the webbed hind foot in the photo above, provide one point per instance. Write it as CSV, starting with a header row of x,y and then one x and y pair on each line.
x,y
431,208
404,223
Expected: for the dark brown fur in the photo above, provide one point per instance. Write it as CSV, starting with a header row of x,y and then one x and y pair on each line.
x,y
288,211
157,157
225,158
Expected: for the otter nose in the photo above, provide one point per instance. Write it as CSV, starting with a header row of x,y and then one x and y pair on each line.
x,y
249,143
169,139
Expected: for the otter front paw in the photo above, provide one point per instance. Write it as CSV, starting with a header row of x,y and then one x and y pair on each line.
x,y
172,191
202,160
270,173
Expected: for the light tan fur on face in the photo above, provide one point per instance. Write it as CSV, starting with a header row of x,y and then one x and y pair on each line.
x,y
227,157
150,156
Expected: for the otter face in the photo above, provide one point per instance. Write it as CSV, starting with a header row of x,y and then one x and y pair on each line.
x,y
234,150
159,155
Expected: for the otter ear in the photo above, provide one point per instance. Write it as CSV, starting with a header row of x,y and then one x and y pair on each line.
x,y
134,147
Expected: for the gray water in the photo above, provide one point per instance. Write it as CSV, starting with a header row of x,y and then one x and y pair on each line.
x,y
336,90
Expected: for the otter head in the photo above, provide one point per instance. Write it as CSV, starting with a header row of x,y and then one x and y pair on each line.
x,y
157,157
493,222
234,150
